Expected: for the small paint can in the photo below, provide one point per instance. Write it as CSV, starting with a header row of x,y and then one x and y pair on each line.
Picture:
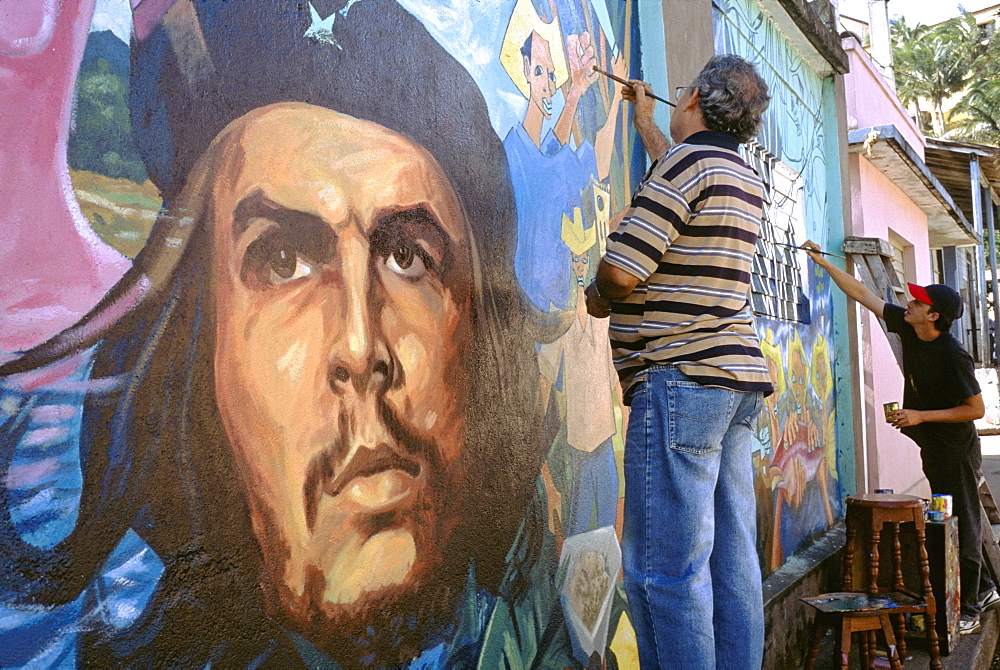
x,y
885,491
935,515
889,408
941,502
917,624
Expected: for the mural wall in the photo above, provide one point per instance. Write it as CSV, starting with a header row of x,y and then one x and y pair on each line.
x,y
796,457
346,409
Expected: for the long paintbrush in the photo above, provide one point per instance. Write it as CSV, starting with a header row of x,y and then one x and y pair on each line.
x,y
822,253
622,81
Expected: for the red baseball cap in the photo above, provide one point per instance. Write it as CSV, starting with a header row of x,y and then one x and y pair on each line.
x,y
944,299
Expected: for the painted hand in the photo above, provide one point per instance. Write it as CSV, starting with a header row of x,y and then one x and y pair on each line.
x,y
582,59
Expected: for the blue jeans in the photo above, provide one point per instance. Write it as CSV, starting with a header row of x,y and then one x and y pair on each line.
x,y
691,569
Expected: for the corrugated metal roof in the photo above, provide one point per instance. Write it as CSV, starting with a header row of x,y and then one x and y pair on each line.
x,y
949,161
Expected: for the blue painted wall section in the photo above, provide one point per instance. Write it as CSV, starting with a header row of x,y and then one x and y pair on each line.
x,y
798,470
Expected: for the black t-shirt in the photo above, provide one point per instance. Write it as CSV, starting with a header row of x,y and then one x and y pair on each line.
x,y
938,374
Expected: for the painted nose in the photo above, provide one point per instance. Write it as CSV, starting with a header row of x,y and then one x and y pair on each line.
x,y
360,360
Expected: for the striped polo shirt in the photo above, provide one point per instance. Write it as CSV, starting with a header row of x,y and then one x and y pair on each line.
x,y
690,236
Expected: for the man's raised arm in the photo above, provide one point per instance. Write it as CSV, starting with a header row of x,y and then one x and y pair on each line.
x,y
653,139
848,284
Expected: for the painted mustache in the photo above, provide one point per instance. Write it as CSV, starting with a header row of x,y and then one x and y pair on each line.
x,y
405,452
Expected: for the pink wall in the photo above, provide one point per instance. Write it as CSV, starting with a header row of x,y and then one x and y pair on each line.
x,y
870,101
881,209
40,47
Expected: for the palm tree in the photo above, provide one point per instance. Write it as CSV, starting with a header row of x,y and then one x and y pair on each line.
x,y
979,113
934,63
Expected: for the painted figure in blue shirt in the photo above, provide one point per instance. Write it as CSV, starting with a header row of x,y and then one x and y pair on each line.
x,y
542,259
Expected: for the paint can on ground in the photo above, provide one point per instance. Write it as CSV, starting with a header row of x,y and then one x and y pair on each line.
x,y
889,408
935,515
941,502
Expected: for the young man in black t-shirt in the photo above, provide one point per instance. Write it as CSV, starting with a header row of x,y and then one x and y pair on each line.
x,y
941,399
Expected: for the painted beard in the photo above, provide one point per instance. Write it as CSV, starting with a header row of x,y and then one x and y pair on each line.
x,y
389,624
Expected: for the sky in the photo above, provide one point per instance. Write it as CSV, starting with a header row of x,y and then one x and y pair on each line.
x,y
113,15
915,11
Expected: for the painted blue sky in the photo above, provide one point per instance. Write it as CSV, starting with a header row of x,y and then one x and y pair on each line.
x,y
113,15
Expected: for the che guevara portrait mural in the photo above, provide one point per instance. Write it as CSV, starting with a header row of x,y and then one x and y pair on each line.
x,y
316,387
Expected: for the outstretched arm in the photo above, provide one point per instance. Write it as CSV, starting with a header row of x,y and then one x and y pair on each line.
x,y
581,57
604,141
848,284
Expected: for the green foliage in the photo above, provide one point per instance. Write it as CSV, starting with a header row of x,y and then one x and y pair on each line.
x,y
101,138
980,113
935,63
976,118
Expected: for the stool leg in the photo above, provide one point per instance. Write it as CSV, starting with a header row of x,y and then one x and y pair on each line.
x,y
899,627
933,649
852,531
844,646
864,650
890,643
819,629
897,558
873,562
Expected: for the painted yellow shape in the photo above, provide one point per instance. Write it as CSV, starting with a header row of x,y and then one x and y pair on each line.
x,y
576,237
523,21
624,645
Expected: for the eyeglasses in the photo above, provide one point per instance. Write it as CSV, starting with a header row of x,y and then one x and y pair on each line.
x,y
679,91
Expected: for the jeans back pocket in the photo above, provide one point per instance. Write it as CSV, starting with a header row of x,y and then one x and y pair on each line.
x,y
699,417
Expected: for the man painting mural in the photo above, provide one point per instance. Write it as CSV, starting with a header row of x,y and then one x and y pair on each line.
x,y
941,400
675,282
316,399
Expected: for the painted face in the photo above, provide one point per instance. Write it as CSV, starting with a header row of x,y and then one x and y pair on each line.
x,y
343,272
821,374
798,379
580,265
541,75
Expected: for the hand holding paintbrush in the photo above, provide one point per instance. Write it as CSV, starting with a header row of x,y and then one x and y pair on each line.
x,y
810,247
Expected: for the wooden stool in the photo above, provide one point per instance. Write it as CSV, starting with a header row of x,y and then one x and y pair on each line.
x,y
873,609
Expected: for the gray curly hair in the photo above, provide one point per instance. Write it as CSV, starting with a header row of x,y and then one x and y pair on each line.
x,y
732,95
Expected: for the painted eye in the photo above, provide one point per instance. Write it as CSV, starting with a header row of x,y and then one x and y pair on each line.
x,y
552,76
278,258
285,266
409,262
538,70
